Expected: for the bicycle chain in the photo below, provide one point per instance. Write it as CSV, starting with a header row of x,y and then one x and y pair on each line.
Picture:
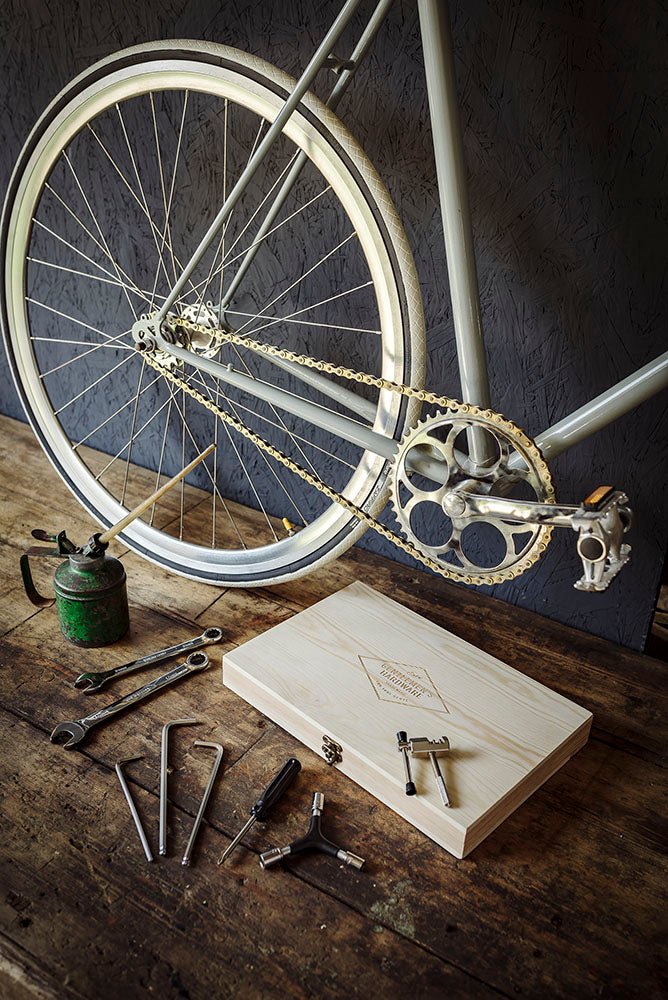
x,y
523,442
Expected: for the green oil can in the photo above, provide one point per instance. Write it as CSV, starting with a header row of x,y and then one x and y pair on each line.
x,y
90,588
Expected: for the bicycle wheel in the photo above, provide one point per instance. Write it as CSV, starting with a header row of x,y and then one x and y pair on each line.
x,y
115,188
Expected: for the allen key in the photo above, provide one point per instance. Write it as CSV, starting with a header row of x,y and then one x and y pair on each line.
x,y
205,798
164,764
133,808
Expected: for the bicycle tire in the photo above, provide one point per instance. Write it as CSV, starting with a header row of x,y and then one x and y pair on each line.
x,y
208,69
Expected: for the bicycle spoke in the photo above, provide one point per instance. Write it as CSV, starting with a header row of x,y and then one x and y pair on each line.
x,y
94,384
162,187
166,236
78,357
154,229
221,242
298,312
120,409
242,253
71,319
133,424
299,280
97,226
141,190
277,426
161,459
146,424
240,459
216,491
230,438
93,277
273,408
304,322
118,270
222,267
81,343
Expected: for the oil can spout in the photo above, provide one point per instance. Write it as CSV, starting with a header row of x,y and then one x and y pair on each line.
x,y
95,547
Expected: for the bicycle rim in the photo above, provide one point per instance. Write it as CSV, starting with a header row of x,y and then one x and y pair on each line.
x,y
88,249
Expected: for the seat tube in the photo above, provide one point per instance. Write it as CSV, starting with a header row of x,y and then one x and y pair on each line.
x,y
455,212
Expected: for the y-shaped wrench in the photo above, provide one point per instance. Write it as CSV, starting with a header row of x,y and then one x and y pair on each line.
x,y
91,682
78,729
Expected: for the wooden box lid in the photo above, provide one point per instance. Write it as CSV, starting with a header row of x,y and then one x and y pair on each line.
x,y
358,667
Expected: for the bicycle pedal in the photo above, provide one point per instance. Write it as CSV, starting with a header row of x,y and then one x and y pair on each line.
x,y
601,522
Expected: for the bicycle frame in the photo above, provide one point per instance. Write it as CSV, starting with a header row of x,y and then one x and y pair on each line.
x,y
451,177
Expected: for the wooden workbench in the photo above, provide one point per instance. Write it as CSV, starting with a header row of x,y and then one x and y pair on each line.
x,y
564,899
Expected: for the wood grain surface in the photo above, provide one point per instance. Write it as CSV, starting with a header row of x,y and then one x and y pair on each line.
x,y
326,670
566,898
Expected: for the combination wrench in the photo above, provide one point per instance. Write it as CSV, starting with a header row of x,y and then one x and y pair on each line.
x,y
92,682
79,728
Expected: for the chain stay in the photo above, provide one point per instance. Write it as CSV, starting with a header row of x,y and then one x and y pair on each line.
x,y
524,444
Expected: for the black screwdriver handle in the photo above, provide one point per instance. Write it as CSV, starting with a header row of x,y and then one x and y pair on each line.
x,y
276,788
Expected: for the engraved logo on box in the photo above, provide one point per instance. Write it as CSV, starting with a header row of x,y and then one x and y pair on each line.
x,y
403,684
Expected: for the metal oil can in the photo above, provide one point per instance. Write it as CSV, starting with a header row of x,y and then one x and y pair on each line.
x,y
91,592
91,599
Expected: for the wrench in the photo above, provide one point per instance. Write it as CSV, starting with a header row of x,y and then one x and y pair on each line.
x,y
92,682
77,730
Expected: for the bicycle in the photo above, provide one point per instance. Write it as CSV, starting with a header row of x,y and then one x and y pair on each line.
x,y
231,327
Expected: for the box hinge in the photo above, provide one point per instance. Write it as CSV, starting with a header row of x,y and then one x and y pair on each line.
x,y
332,750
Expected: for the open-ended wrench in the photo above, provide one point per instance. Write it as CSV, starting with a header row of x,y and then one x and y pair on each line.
x,y
78,730
91,682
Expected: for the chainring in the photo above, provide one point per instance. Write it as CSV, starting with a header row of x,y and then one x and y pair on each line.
x,y
426,509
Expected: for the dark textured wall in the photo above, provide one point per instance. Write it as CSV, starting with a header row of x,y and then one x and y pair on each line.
x,y
564,111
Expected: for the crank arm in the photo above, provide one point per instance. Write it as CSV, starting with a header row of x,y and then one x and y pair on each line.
x,y
77,730
475,507
601,522
91,682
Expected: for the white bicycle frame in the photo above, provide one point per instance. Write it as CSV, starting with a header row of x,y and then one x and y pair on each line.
x,y
451,177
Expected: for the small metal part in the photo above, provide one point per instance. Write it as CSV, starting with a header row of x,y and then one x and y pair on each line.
x,y
313,841
269,797
332,750
79,728
133,809
91,682
420,746
403,747
164,763
205,798
402,743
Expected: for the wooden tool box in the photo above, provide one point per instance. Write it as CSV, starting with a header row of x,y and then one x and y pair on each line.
x,y
347,674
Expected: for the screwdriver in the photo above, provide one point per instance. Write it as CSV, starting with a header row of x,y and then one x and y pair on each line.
x,y
269,798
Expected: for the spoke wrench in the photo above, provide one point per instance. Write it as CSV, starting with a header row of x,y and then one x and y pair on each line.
x,y
78,730
91,682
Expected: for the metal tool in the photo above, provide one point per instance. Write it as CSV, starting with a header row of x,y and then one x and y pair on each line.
x,y
90,587
164,761
313,841
420,746
91,682
402,741
79,729
185,860
269,797
133,808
